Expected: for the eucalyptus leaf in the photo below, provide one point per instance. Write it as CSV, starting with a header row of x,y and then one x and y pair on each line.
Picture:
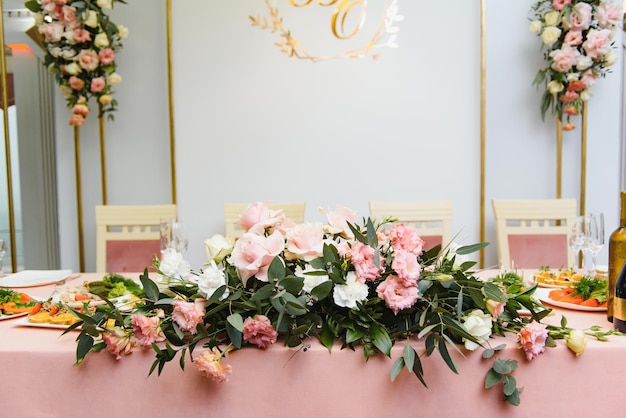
x,y
492,378
469,249
263,293
322,290
443,350
408,353
276,270
514,399
510,385
504,367
234,335
381,339
397,367
236,321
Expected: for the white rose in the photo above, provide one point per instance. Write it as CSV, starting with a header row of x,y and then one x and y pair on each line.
x,y
583,63
114,79
551,18
555,87
535,26
173,265
347,295
105,4
68,54
218,247
72,68
92,19
585,94
610,58
122,31
311,281
211,279
577,341
478,325
101,40
550,35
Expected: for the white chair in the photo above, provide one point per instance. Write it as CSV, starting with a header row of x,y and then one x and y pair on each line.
x,y
233,211
431,218
534,233
127,237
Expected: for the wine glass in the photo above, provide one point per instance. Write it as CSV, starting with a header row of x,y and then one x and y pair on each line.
x,y
595,238
3,249
577,239
166,233
180,241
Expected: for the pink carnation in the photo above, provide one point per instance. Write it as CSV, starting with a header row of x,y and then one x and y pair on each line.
x,y
118,342
146,329
560,4
88,60
76,83
188,315
533,339
81,35
210,362
76,120
396,295
569,97
97,84
106,56
405,237
259,331
406,266
363,261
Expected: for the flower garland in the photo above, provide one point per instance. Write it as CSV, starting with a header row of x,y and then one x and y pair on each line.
x,y
578,47
368,285
81,43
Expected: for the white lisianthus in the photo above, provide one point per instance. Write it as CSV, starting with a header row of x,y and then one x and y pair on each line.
x,y
555,87
311,281
72,68
105,4
551,18
550,35
218,247
212,278
173,265
92,19
114,79
585,94
536,26
101,40
478,325
122,31
347,295
583,63
610,58
577,341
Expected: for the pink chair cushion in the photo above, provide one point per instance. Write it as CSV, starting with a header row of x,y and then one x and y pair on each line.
x,y
533,251
431,241
131,256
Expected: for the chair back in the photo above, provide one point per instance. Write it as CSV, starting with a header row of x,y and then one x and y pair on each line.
x,y
233,211
128,237
534,233
431,218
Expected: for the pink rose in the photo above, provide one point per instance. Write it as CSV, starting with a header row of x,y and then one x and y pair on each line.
x,y
188,315
363,261
608,15
564,58
598,43
259,216
305,241
88,60
210,362
579,19
118,342
69,14
405,237
559,4
76,120
259,331
396,295
337,221
81,35
106,56
569,96
533,339
573,38
52,32
80,109
406,266
97,84
253,254
76,83
589,78
146,329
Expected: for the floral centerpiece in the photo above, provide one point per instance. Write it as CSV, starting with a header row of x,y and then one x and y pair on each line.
x,y
578,47
81,42
348,285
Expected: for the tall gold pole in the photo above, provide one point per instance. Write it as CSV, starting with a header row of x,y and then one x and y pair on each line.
x,y
583,159
103,159
79,199
559,155
170,89
483,67
7,145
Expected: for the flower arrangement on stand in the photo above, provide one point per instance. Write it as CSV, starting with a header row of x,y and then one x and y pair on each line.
x,y
81,42
578,47
369,285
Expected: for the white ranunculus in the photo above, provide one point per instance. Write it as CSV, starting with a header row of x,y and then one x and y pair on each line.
x,y
105,4
101,40
583,63
347,295
92,19
551,18
535,26
610,58
211,279
72,68
114,79
218,247
478,325
550,35
122,31
310,280
555,87
173,265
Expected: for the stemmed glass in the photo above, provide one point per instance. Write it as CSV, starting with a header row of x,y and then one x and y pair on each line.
x,y
3,249
180,241
577,238
594,238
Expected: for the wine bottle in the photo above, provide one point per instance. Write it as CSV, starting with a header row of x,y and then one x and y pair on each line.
x,y
619,303
617,255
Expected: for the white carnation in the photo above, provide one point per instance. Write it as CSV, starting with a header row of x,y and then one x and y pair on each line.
x,y
211,279
347,295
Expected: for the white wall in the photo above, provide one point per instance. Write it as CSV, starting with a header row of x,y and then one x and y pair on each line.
x,y
253,124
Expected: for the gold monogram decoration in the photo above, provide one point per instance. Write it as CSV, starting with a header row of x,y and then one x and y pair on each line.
x,y
347,23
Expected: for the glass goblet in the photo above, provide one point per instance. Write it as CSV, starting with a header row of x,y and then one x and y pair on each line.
x,y
595,238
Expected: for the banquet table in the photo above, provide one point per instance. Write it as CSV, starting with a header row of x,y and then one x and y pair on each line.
x,y
41,380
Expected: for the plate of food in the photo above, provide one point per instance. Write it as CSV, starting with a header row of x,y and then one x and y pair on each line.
x,y
588,294
558,278
32,278
15,304
50,315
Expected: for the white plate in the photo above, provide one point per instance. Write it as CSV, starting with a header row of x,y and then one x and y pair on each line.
x,y
543,295
5,317
31,278
24,322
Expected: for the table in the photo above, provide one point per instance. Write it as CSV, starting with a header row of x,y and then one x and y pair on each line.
x,y
41,380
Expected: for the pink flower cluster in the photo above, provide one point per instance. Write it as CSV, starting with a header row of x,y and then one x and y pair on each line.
x,y
146,329
533,339
259,331
188,315
210,362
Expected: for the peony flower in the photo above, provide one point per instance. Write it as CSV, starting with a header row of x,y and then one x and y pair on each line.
x,y
348,294
405,237
146,329
363,260
495,308
188,315
311,281
550,35
576,341
211,279
396,294
119,341
533,339
305,241
51,32
80,109
337,221
253,254
210,362
406,266
218,247
583,63
569,127
259,331
478,324
570,110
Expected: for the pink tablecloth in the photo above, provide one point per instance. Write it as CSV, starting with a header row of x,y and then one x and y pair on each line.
x,y
41,381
